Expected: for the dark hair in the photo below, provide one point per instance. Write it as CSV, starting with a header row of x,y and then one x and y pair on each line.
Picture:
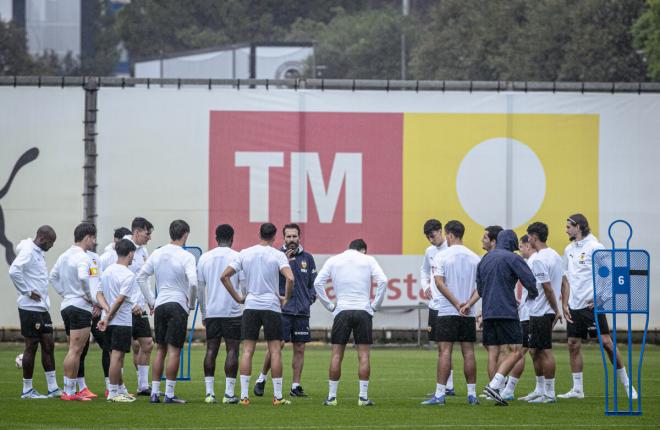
x,y
580,221
82,230
224,233
358,245
456,228
124,247
267,231
538,229
431,225
121,232
46,231
178,228
524,238
291,226
141,223
493,231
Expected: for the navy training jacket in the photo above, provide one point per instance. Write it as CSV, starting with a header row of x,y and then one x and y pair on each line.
x,y
304,273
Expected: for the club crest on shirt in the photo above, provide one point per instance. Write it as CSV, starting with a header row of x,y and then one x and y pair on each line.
x,y
93,271
37,326
582,258
303,266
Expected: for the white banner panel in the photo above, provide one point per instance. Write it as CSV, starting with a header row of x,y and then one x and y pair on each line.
x,y
41,127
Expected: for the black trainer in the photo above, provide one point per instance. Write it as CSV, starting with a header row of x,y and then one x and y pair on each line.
x,y
258,389
495,394
297,392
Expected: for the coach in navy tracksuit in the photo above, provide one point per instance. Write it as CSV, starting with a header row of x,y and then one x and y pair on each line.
x,y
497,275
295,313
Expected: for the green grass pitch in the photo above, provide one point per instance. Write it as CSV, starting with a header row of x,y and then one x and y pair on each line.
x,y
400,379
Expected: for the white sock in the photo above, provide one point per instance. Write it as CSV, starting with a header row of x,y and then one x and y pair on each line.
x,y
623,376
497,382
169,387
51,380
550,388
81,383
27,385
209,381
230,383
450,380
113,391
69,386
472,390
510,388
440,390
107,384
155,387
540,385
277,387
364,389
143,377
577,382
262,377
332,388
245,386
295,385
122,389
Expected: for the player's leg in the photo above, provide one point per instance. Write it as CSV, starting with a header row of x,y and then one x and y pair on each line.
x,y
260,384
493,359
210,357
508,334
608,345
231,368
272,323
361,325
250,326
47,342
29,354
161,323
146,346
470,371
341,332
175,338
509,392
78,339
300,335
442,373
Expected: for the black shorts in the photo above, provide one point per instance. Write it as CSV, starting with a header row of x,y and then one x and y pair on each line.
x,y
502,332
540,331
295,328
584,324
455,328
34,324
119,337
76,319
228,328
254,319
357,322
525,333
101,337
141,326
433,315
171,323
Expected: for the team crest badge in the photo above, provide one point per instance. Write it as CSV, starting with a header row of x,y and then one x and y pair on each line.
x,y
37,326
303,265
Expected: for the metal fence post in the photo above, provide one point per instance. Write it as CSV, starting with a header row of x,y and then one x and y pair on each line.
x,y
89,178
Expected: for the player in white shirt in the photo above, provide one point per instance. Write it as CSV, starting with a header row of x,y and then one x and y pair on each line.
x,y
143,343
578,305
433,233
71,278
351,273
109,256
455,271
221,314
118,284
544,310
527,252
29,275
176,278
261,264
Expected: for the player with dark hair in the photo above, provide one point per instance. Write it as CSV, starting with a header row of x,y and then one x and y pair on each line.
x,y
578,305
261,265
29,274
295,314
221,315
351,273
489,239
176,276
71,278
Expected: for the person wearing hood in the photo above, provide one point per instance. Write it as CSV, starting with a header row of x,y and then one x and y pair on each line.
x,y
295,314
497,275
29,275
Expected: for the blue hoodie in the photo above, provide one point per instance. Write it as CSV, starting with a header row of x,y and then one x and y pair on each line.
x,y
497,275
304,273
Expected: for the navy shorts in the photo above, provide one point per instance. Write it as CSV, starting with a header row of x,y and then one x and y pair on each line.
x,y
295,328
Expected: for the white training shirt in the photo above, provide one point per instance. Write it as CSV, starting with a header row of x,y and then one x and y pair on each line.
x,y
261,266
70,270
119,280
458,266
29,273
426,274
525,305
547,267
139,258
94,275
577,265
109,256
176,276
214,299
351,273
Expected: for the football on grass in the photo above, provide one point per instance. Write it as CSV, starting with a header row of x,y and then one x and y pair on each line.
x,y
19,361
